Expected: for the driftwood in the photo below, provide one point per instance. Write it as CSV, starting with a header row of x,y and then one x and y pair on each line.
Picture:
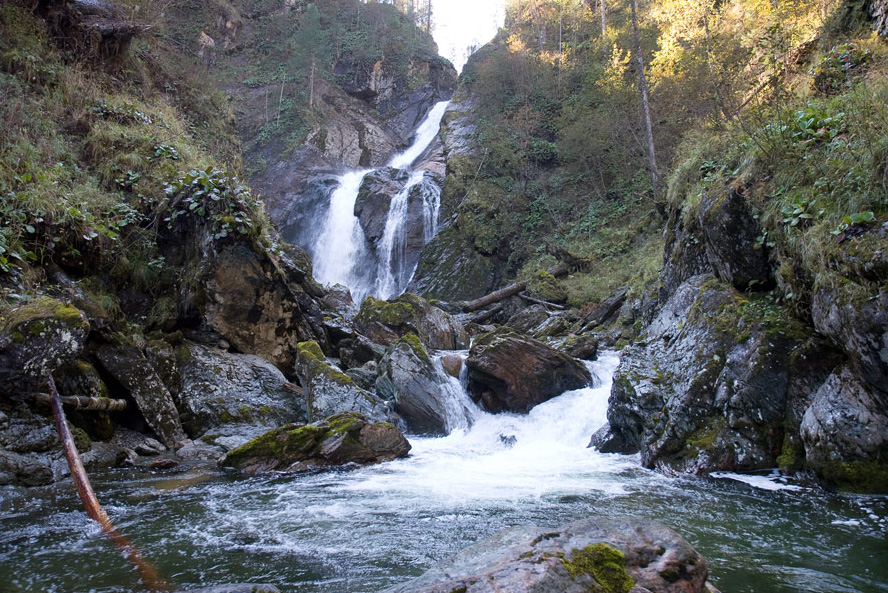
x,y
147,572
510,290
530,299
83,404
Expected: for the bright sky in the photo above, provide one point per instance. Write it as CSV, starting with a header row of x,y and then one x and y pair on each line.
x,y
461,24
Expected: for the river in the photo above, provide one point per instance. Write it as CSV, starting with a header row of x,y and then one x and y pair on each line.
x,y
362,530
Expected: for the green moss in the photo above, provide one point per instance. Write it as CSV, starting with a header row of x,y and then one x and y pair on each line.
x,y
603,563
412,340
390,313
289,441
792,455
310,350
81,439
706,437
866,477
345,422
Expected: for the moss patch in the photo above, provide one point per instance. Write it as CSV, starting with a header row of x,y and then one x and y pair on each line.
x,y
603,563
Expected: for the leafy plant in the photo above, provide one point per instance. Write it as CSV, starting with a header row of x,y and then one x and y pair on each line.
x,y
214,195
814,124
799,211
857,219
832,74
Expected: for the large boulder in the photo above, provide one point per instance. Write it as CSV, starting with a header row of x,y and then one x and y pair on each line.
x,y
375,198
219,389
260,307
509,372
36,338
424,395
329,391
384,322
602,555
339,440
845,434
714,384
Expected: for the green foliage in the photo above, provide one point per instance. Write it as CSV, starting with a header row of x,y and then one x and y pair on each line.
x,y
605,564
214,195
834,72
814,124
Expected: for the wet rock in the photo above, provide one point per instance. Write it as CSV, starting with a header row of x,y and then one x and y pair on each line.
x,y
20,469
684,255
128,366
511,372
420,389
329,391
150,447
220,389
583,347
547,287
364,377
710,386
237,588
731,235
374,200
527,319
845,434
453,364
36,338
339,440
384,322
856,319
358,351
613,555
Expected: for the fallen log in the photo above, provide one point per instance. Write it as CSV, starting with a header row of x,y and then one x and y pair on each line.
x,y
510,290
147,572
82,403
530,299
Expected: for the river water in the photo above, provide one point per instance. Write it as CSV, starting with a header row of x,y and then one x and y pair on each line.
x,y
365,529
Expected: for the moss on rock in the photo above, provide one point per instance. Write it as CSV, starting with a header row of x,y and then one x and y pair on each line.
x,y
603,563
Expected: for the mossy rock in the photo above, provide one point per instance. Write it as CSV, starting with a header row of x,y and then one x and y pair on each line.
x,y
338,440
547,287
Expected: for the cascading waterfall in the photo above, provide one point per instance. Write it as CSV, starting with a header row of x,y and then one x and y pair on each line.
x,y
342,253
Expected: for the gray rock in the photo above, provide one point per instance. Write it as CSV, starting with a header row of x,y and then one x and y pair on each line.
x,y
589,555
374,200
18,469
220,389
845,433
710,386
129,367
422,391
329,391
384,322
237,588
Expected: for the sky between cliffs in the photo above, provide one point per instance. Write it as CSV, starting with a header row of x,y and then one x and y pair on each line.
x,y
463,24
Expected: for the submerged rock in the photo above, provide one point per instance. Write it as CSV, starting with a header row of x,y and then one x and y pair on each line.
x,y
339,440
602,555
509,372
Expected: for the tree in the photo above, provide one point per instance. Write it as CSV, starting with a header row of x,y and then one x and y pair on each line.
x,y
311,48
645,106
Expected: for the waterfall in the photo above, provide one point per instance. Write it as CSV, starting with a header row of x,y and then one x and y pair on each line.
x,y
342,253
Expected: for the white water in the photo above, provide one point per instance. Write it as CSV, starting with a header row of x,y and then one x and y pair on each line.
x,y
424,135
341,240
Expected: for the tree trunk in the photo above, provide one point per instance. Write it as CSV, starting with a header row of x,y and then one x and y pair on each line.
x,y
603,20
510,290
642,84
84,404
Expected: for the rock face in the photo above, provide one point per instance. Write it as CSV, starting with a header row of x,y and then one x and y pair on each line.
x,y
420,389
713,385
329,391
384,322
375,198
259,308
845,434
606,555
512,373
338,440
219,388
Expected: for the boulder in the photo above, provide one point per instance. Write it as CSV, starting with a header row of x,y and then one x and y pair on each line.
x,y
384,322
424,394
604,555
18,469
36,338
220,388
259,307
513,373
128,366
711,386
845,434
329,391
339,440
